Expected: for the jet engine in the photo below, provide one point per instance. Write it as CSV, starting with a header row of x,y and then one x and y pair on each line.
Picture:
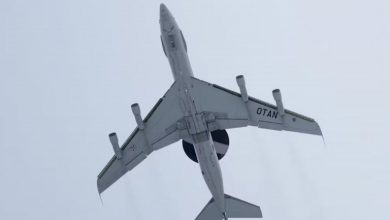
x,y
221,144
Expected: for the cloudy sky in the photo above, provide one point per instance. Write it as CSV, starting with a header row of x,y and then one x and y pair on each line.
x,y
71,69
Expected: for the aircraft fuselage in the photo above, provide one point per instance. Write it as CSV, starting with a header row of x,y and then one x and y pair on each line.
x,y
175,49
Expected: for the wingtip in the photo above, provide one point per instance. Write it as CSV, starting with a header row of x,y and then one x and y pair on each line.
x,y
99,188
318,128
320,133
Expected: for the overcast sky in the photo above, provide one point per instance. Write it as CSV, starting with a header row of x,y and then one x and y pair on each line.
x,y
71,69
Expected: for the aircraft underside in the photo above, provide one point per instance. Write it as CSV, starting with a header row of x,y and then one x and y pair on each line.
x,y
198,113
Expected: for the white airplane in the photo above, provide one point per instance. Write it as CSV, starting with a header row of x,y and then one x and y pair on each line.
x,y
198,113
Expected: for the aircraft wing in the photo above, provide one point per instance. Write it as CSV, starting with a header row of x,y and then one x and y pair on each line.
x,y
157,133
226,109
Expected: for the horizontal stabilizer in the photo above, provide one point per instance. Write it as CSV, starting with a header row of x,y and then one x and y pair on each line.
x,y
210,212
235,208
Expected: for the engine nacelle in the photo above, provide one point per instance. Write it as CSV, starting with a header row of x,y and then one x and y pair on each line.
x,y
221,144
137,115
278,99
241,84
115,145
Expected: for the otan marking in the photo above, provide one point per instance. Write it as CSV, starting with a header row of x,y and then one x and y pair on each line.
x,y
266,112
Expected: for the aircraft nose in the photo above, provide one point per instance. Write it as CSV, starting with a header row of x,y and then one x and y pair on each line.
x,y
163,9
165,15
167,21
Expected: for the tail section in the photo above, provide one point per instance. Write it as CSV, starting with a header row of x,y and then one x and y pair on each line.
x,y
235,208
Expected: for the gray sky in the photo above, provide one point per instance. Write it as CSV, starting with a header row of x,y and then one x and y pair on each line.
x,y
71,69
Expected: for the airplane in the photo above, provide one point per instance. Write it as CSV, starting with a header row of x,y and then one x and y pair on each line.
x,y
199,113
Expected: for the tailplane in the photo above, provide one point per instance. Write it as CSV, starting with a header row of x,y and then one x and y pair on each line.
x,y
235,208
